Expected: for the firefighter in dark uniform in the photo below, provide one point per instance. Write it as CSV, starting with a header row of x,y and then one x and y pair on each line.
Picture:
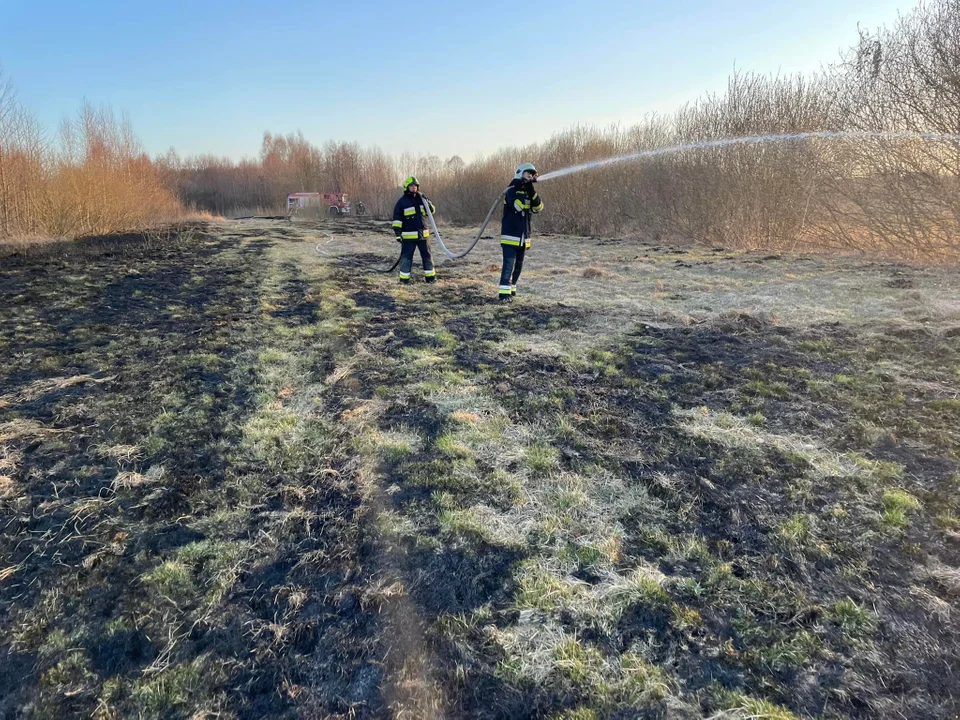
x,y
410,227
519,204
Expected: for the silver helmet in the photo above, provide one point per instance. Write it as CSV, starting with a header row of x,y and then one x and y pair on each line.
x,y
525,167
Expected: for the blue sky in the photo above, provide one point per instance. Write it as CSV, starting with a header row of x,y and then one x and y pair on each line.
x,y
441,77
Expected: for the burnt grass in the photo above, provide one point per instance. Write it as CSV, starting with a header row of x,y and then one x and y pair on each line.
x,y
802,382
739,496
163,336
160,565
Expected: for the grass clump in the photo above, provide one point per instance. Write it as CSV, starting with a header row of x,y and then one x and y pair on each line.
x,y
541,459
853,620
580,713
776,650
685,618
642,682
767,389
639,589
171,579
539,588
579,663
463,522
743,707
796,531
70,675
896,504
185,685
609,683
449,446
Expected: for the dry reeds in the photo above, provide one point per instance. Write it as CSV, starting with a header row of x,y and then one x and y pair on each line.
x,y
95,180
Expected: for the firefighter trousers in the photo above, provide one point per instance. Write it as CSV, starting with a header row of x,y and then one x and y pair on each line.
x,y
406,259
512,265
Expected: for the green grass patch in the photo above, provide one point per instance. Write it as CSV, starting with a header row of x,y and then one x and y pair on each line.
x,y
541,589
853,620
173,580
541,459
450,446
897,505
191,684
741,705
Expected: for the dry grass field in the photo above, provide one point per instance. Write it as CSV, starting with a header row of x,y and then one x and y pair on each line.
x,y
243,479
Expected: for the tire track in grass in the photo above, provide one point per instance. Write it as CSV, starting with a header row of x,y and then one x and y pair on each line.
x,y
397,678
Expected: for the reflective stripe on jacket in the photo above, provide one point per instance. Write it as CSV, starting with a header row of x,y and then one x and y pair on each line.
x,y
520,202
410,217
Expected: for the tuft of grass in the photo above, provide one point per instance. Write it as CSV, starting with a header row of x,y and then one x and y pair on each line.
x,y
449,446
71,675
580,713
879,471
767,389
815,346
796,531
896,504
853,620
273,356
740,706
567,500
757,419
642,682
948,405
464,522
185,685
580,664
689,548
539,588
685,618
627,682
171,579
541,459
603,362
464,417
638,589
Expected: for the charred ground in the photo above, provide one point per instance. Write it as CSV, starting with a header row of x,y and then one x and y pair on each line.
x,y
241,478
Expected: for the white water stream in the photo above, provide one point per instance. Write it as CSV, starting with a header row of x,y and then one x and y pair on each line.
x,y
704,144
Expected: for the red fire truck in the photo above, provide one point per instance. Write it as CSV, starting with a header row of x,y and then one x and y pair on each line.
x,y
332,204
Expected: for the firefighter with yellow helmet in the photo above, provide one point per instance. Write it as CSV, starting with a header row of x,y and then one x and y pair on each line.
x,y
410,228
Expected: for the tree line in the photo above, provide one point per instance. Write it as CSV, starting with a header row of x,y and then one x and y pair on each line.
x,y
890,197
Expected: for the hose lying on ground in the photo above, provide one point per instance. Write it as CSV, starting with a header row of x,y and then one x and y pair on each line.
x,y
433,226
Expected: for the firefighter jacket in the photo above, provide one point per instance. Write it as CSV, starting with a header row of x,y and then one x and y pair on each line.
x,y
410,217
520,202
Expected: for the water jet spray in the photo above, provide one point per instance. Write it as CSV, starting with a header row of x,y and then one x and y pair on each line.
x,y
701,145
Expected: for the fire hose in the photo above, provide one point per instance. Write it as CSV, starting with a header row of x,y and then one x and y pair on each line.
x,y
433,226
452,255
